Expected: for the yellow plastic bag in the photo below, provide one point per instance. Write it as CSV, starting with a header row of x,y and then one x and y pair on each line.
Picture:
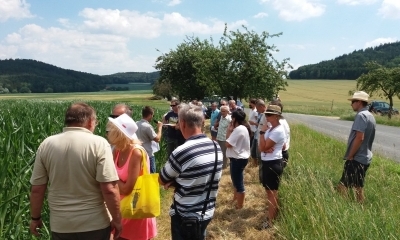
x,y
144,200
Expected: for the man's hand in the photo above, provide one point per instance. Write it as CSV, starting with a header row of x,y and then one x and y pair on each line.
x,y
117,228
168,185
34,226
159,125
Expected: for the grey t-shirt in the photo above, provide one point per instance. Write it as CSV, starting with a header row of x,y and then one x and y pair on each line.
x,y
146,134
364,122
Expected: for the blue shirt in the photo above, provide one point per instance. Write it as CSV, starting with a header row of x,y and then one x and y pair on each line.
x,y
214,116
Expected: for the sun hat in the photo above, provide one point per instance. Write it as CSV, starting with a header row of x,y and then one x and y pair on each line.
x,y
360,95
273,109
126,125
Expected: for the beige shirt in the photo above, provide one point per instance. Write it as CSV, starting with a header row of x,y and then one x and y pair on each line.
x,y
74,163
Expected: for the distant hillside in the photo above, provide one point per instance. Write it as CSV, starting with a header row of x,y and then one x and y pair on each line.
x,y
350,66
23,75
129,77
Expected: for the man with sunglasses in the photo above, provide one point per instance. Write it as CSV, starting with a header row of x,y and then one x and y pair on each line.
x,y
358,155
174,135
120,109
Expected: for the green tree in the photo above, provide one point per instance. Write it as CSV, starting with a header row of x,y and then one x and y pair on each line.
x,y
178,67
241,66
163,89
381,81
250,68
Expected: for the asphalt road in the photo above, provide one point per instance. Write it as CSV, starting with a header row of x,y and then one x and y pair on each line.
x,y
387,138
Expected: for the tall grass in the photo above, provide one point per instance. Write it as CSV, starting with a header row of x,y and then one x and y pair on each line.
x,y
312,208
23,126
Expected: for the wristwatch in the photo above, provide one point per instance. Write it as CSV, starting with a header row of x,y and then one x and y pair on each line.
x,y
262,132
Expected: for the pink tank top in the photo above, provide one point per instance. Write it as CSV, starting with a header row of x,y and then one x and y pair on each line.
x,y
123,171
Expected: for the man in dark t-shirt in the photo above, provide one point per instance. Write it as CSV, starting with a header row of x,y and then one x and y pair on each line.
x,y
174,135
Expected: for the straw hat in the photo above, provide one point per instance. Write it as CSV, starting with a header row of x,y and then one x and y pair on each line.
x,y
126,125
273,109
360,95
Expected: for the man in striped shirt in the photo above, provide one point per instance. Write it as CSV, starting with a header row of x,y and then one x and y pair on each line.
x,y
189,169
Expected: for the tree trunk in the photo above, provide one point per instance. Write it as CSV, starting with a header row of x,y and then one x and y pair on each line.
x,y
390,107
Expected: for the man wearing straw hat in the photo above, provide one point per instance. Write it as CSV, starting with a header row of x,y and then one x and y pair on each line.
x,y
358,155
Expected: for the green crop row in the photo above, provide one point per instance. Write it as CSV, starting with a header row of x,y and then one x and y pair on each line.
x,y
24,124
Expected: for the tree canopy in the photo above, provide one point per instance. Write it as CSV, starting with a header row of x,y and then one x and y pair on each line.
x,y
380,81
241,65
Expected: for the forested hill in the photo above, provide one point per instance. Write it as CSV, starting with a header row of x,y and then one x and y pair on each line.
x,y
23,75
350,66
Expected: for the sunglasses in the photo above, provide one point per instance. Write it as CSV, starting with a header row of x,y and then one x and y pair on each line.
x,y
172,105
269,114
113,116
354,101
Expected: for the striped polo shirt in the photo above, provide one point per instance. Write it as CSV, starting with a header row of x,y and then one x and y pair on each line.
x,y
191,166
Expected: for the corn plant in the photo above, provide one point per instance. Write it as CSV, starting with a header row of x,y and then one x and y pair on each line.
x,y
24,124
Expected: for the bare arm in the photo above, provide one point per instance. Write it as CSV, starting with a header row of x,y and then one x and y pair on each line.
x,y
126,188
356,145
36,201
110,193
159,132
265,145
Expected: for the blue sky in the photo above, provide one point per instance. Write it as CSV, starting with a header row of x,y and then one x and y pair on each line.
x,y
110,36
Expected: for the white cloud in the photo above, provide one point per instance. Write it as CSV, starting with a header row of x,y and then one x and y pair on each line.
x,y
174,2
72,49
297,10
149,25
356,2
14,9
390,9
379,41
260,15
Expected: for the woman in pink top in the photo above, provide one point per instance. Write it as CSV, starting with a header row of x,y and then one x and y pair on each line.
x,y
128,157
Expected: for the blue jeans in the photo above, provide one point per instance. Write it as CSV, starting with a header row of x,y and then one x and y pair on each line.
x,y
176,229
237,168
152,164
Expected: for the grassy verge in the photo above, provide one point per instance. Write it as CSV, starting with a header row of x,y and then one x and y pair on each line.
x,y
310,206
384,120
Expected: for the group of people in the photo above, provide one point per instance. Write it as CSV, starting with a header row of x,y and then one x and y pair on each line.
x,y
86,176
264,137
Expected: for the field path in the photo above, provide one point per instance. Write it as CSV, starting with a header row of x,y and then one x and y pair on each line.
x,y
387,138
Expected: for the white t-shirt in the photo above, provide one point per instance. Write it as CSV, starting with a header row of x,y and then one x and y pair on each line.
x,y
253,117
277,135
240,141
286,127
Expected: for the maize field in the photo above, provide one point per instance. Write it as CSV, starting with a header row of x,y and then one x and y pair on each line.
x,y
24,124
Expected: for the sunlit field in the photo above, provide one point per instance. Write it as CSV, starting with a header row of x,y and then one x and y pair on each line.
x,y
321,97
